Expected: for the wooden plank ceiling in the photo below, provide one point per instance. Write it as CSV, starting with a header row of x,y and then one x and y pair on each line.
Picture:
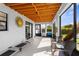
x,y
38,12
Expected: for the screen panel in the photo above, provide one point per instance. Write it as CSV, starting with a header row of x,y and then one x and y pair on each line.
x,y
67,24
77,27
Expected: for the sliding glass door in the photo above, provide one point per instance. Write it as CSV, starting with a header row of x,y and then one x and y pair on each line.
x,y
29,30
38,29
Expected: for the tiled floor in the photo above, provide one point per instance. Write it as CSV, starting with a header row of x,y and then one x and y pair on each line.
x,y
40,46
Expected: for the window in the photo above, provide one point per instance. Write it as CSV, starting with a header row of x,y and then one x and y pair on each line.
x,y
3,21
67,24
43,27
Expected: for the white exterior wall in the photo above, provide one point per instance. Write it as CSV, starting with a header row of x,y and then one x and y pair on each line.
x,y
15,34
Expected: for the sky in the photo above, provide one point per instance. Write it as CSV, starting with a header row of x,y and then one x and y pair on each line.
x,y
77,12
67,17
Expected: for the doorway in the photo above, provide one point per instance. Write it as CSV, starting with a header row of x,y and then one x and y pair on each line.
x,y
28,30
37,29
49,30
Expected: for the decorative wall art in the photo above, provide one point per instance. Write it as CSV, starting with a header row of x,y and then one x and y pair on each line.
x,y
19,21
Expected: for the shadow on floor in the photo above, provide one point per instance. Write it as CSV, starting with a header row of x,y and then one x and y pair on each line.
x,y
31,49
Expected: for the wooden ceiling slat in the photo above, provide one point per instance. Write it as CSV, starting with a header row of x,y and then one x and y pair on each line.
x,y
42,21
47,14
31,13
46,6
38,12
44,17
17,4
12,4
40,9
31,10
42,4
41,13
22,7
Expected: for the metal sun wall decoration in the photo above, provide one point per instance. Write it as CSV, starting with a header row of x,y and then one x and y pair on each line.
x,y
19,21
